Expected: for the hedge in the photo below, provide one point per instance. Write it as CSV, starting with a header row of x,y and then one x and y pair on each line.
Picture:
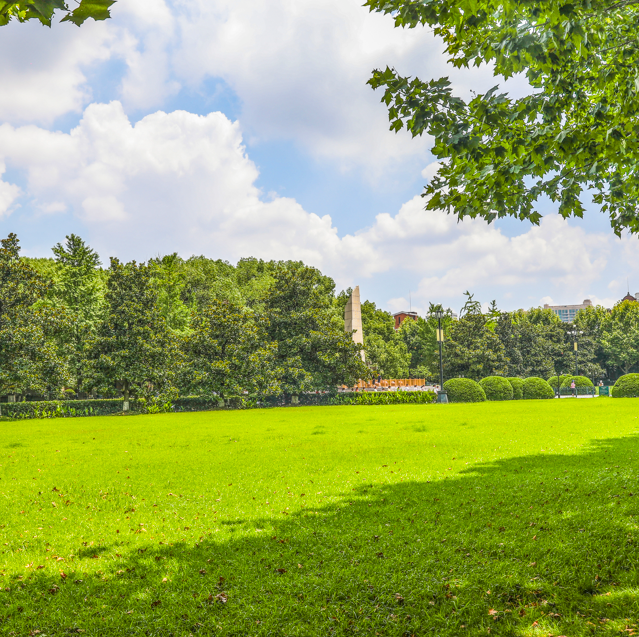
x,y
518,387
627,386
464,390
393,398
111,406
535,388
580,381
497,388
67,408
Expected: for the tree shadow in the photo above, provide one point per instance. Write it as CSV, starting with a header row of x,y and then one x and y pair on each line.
x,y
541,544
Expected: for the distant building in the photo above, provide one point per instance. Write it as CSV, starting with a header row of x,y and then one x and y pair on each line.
x,y
400,317
567,313
629,297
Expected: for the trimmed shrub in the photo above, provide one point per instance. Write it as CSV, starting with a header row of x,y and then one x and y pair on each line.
x,y
518,387
627,386
497,388
393,398
552,381
464,390
580,381
535,388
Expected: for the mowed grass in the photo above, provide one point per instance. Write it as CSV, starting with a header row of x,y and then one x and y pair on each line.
x,y
514,518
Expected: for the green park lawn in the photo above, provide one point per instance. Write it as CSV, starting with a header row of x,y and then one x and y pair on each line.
x,y
515,518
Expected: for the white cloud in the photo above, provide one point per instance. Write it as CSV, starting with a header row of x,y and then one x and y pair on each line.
x,y
431,170
173,181
42,74
8,193
182,182
300,69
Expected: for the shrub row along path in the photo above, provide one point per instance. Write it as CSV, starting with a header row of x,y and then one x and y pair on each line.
x,y
515,518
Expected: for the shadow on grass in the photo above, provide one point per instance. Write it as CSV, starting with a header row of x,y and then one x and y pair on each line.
x,y
533,545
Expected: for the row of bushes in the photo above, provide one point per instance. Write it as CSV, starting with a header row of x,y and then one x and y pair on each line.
x,y
465,390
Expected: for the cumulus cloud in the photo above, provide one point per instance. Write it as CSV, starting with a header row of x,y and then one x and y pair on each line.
x,y
179,181
170,182
298,67
472,254
8,193
43,70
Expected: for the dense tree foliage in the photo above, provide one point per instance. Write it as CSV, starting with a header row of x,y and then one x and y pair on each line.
x,y
575,131
30,334
229,353
313,350
473,349
134,349
44,10
202,326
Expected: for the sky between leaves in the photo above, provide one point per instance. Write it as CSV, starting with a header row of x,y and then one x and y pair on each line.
x,y
236,129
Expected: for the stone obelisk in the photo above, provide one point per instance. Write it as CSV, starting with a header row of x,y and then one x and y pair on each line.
x,y
353,318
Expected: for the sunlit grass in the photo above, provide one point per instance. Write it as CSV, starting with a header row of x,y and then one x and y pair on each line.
x,y
511,518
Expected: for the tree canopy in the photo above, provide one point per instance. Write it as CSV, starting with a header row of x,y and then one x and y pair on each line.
x,y
44,10
576,130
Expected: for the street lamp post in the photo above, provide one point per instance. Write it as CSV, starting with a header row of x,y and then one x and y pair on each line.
x,y
574,334
442,396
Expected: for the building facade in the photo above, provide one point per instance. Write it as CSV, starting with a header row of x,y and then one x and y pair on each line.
x,y
400,317
567,313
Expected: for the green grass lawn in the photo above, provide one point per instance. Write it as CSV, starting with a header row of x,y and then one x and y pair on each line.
x,y
506,519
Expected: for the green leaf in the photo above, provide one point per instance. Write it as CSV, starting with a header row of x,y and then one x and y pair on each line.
x,y
96,9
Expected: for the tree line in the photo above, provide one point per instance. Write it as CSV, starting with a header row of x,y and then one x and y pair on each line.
x,y
70,327
521,343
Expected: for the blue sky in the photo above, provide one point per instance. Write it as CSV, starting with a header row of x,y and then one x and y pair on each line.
x,y
247,129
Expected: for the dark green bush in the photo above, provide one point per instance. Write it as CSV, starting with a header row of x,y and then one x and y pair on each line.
x,y
627,386
497,388
536,388
195,403
464,390
518,387
552,381
580,381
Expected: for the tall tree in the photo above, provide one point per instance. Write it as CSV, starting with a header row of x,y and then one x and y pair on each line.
x,y
169,279
30,358
79,290
576,130
313,350
473,350
533,342
620,336
228,353
133,349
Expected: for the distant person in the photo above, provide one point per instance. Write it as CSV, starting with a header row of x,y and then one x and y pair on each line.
x,y
573,386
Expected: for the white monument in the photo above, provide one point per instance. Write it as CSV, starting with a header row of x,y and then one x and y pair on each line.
x,y
353,318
